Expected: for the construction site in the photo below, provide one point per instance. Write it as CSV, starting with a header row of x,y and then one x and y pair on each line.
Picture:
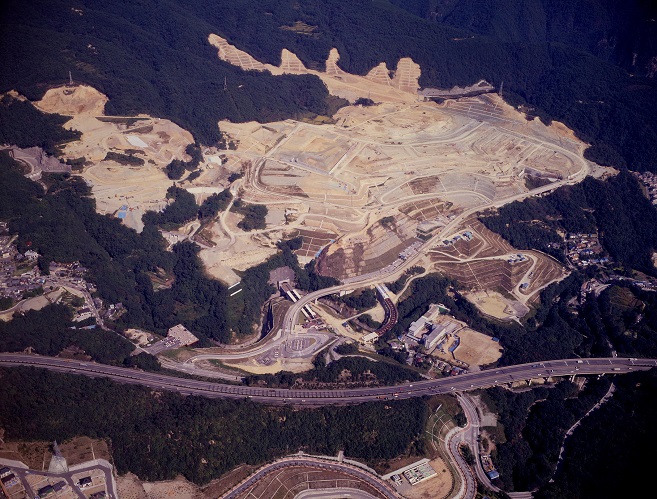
x,y
380,178
501,281
368,190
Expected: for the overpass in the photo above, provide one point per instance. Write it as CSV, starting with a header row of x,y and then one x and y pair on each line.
x,y
294,295
464,382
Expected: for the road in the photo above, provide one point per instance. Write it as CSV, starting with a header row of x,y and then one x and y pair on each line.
x,y
470,436
452,384
68,478
453,439
341,492
292,314
383,488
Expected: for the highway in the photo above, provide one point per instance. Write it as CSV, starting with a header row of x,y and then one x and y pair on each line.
x,y
460,383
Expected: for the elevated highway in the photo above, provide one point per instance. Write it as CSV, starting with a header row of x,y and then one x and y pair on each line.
x,y
461,383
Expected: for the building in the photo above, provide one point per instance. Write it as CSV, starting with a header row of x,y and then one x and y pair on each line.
x,y
434,337
419,473
85,482
369,338
418,328
45,491
9,480
493,474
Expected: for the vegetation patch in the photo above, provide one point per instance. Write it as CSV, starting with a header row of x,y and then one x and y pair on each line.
x,y
197,437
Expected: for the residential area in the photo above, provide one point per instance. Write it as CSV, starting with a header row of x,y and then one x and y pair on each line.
x,y
25,287
87,480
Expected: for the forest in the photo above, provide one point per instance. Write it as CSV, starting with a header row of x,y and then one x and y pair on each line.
x,y
253,215
149,58
626,316
613,441
531,428
62,225
23,125
616,207
176,168
609,454
158,435
588,66
183,209
50,330
361,370
363,300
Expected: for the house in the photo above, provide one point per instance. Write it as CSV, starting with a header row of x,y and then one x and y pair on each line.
x,y
9,480
45,491
85,481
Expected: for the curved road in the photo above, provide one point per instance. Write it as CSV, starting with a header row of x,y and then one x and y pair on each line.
x,y
464,382
376,277
468,489
306,462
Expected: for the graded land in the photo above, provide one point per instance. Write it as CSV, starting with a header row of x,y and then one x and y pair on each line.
x,y
364,189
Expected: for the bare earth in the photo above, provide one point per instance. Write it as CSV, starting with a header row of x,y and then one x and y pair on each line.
x,y
415,165
477,349
154,140
434,488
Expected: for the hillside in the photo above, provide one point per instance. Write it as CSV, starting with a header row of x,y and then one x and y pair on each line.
x,y
568,64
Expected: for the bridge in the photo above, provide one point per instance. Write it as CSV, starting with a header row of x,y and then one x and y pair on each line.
x,y
389,308
464,382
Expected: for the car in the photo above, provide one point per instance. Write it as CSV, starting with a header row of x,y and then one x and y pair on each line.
x,y
452,388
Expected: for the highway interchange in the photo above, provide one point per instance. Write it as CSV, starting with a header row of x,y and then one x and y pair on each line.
x,y
279,396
